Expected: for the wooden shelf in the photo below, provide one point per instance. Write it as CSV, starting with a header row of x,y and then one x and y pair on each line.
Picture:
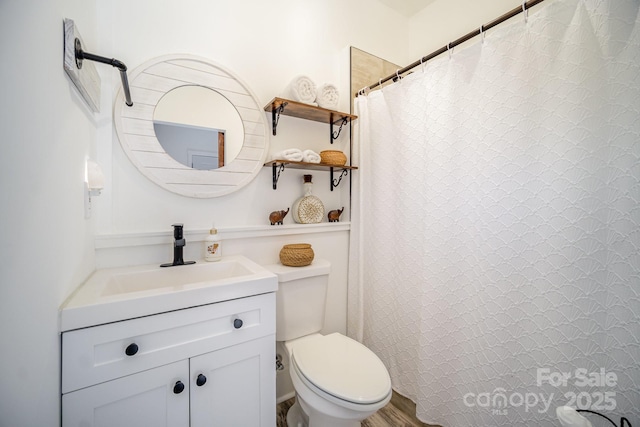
x,y
278,166
306,111
287,107
305,165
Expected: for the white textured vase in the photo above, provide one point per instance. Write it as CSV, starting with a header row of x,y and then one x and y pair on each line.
x,y
308,209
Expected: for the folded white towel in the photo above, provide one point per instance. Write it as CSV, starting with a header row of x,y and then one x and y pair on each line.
x,y
310,156
569,417
302,89
292,154
327,96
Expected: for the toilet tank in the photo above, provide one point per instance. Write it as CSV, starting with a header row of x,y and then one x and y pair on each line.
x,y
300,299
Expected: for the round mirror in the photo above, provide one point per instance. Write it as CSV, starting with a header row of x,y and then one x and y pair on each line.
x,y
191,92
198,127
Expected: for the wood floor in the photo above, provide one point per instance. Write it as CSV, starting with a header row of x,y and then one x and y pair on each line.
x,y
397,413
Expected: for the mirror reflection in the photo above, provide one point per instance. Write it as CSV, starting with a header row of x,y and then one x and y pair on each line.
x,y
198,127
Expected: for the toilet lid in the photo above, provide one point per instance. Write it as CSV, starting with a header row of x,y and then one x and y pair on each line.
x,y
343,368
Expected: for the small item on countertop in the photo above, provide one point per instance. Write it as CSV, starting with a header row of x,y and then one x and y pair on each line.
x,y
213,246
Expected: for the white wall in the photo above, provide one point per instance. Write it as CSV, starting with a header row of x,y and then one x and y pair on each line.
x,y
444,21
47,245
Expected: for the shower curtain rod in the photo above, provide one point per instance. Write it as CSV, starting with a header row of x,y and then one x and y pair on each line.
x,y
513,12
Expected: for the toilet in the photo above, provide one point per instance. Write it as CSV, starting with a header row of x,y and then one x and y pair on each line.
x,y
338,381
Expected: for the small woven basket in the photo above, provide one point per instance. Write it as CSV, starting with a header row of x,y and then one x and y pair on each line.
x,y
333,157
296,255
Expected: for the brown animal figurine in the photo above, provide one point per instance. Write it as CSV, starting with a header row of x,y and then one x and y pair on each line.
x,y
276,217
334,216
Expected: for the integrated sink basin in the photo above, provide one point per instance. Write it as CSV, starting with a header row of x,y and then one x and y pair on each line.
x,y
179,277
115,294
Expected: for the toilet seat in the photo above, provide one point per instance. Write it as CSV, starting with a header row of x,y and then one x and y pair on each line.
x,y
342,368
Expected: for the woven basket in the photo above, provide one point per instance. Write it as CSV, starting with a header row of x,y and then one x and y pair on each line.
x,y
333,157
296,255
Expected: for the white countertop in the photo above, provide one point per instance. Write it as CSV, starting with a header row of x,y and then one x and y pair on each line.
x,y
115,294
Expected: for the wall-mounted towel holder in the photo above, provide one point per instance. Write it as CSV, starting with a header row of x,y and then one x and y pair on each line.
x,y
85,76
81,55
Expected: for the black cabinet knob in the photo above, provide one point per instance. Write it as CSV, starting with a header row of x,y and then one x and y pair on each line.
x,y
178,388
131,349
237,323
201,380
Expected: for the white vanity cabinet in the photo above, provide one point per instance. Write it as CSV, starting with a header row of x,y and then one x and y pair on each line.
x,y
235,387
143,399
210,365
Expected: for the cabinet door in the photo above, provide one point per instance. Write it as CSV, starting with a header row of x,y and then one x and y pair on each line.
x,y
149,398
237,386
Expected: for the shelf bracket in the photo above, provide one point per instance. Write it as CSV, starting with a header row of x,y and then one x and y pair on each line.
x,y
275,116
275,169
335,135
336,182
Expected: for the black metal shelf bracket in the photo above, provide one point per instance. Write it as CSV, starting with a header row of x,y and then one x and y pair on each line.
x,y
335,135
275,169
275,116
336,182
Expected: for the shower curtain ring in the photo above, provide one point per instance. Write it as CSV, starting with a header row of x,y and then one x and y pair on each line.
x,y
397,75
482,33
449,49
525,11
422,64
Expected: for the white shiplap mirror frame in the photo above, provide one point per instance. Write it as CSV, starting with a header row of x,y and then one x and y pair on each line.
x,y
134,126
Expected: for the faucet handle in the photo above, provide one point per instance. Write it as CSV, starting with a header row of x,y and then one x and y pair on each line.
x,y
178,245
177,231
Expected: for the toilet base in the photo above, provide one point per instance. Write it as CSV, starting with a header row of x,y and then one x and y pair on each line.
x,y
302,415
296,417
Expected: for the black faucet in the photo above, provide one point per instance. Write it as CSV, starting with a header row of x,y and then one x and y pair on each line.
x,y
178,244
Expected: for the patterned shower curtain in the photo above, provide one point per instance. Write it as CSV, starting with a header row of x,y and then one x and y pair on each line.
x,y
495,256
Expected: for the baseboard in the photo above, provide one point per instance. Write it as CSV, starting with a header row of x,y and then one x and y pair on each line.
x,y
286,397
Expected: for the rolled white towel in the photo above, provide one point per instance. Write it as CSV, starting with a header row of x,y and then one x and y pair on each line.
x,y
310,156
327,96
302,89
569,417
292,154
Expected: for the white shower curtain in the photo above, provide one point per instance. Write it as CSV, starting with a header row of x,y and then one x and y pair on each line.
x,y
495,256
